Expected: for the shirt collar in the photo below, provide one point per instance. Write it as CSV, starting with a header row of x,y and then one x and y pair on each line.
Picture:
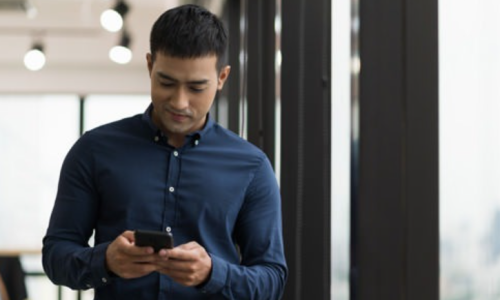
x,y
195,136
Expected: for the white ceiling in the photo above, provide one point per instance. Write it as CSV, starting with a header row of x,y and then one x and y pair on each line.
x,y
76,46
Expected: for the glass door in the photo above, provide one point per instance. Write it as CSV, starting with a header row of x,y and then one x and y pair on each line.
x,y
469,64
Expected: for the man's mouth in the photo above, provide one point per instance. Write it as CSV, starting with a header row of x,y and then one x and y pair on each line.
x,y
178,117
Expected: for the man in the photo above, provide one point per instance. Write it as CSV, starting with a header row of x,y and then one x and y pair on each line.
x,y
172,168
3,291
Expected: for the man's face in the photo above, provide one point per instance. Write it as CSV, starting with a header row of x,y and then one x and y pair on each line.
x,y
182,91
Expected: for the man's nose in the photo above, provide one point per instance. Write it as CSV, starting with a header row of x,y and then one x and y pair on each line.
x,y
180,99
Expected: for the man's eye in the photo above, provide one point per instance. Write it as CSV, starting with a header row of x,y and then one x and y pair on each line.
x,y
167,84
196,89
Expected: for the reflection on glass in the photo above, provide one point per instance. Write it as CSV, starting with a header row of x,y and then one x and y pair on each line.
x,y
277,78
469,149
340,156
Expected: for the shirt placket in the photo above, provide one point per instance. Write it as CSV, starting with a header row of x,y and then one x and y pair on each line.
x,y
169,212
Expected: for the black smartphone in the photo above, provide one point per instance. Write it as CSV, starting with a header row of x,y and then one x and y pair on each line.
x,y
156,239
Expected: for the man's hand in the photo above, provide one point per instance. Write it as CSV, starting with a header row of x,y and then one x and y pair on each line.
x,y
128,261
188,264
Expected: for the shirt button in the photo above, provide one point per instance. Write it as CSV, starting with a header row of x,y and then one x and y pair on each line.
x,y
168,229
104,280
171,189
176,153
196,142
157,138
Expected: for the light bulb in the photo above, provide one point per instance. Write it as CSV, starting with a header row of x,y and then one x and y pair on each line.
x,y
120,54
111,20
34,59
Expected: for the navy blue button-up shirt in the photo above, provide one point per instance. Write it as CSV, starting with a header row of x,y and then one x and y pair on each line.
x,y
217,189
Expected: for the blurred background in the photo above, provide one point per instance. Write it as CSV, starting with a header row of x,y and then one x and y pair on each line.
x,y
381,119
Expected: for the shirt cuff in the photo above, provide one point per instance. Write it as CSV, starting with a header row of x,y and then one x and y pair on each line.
x,y
100,274
218,276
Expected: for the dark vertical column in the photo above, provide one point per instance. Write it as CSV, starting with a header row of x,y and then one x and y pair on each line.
x,y
261,91
396,206
380,208
82,115
422,149
232,12
305,136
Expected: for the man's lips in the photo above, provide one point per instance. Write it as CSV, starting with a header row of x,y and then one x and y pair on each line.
x,y
177,116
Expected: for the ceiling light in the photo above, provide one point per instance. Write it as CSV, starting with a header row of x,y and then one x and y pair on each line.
x,y
121,53
112,19
34,59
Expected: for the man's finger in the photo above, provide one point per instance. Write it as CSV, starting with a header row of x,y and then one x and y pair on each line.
x,y
190,251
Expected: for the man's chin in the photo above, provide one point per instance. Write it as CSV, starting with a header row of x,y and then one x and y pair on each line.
x,y
177,129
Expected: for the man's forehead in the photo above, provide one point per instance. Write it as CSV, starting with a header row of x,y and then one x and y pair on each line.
x,y
183,69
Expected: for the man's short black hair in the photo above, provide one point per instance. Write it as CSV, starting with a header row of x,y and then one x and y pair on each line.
x,y
189,31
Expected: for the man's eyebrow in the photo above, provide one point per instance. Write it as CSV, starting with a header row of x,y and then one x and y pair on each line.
x,y
167,77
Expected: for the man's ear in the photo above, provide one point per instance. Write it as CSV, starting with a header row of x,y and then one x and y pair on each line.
x,y
223,75
149,59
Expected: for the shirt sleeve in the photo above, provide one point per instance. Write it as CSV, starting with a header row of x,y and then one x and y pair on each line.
x,y
262,272
66,255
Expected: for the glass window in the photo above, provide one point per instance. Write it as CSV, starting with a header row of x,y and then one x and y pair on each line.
x,y
102,109
35,134
469,66
340,156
